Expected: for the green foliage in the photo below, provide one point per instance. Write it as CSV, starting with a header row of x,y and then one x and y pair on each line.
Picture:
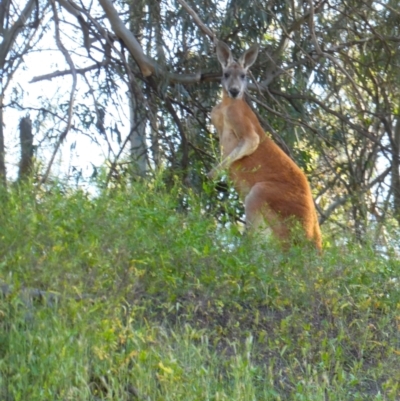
x,y
152,302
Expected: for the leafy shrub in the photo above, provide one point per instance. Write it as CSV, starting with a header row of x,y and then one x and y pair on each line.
x,y
142,298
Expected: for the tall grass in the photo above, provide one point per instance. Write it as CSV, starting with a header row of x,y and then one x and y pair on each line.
x,y
150,303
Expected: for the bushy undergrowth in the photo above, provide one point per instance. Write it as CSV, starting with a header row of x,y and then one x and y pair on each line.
x,y
141,300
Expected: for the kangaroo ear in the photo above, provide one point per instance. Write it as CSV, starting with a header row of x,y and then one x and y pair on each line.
x,y
224,54
249,57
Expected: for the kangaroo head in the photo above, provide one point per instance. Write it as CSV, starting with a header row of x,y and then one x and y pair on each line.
x,y
234,72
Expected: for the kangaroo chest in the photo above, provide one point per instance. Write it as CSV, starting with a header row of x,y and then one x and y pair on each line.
x,y
228,138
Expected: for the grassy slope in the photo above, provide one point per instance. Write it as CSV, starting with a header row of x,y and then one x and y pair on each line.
x,y
173,314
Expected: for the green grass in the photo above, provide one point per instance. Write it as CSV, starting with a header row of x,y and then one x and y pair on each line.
x,y
170,312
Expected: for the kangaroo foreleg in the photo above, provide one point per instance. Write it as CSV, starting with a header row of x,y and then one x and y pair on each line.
x,y
245,148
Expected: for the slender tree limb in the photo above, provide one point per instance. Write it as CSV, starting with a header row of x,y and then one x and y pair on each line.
x,y
58,73
146,64
287,35
205,29
337,114
325,214
185,147
67,5
184,78
11,34
319,51
70,62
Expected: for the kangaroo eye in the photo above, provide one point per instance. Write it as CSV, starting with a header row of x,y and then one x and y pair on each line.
x,y
243,76
226,75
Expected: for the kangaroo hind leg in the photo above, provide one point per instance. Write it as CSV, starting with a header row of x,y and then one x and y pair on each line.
x,y
258,212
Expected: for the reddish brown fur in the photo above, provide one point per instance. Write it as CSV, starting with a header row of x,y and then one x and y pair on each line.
x,y
273,187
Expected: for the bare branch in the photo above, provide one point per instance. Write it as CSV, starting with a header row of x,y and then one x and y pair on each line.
x,y
70,62
11,34
69,6
56,74
146,64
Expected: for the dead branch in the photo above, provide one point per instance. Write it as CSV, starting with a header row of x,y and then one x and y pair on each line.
x,y
56,74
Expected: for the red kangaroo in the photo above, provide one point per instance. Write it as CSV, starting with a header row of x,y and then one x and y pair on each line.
x,y
273,187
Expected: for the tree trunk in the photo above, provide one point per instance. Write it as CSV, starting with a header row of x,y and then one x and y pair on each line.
x,y
395,170
155,11
26,139
138,115
138,120
2,147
